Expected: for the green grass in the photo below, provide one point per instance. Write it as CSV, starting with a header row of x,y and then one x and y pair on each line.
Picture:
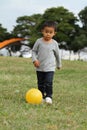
x,y
69,108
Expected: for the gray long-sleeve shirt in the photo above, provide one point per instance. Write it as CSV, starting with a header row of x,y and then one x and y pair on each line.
x,y
47,54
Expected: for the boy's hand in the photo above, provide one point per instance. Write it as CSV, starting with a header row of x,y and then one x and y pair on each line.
x,y
58,68
36,63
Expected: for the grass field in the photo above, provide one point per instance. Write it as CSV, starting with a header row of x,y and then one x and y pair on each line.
x,y
69,108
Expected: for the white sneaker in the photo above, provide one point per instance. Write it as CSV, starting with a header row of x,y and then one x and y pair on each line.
x,y
48,100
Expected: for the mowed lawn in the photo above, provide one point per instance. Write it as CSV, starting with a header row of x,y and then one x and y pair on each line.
x,y
69,108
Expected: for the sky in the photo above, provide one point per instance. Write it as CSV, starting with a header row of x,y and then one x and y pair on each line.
x,y
10,10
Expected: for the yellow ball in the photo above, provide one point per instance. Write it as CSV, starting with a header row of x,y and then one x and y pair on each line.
x,y
34,96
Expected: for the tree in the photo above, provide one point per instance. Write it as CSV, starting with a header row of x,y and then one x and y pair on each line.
x,y
26,27
4,34
79,43
83,18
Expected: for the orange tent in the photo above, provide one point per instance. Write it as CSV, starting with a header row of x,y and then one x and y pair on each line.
x,y
10,41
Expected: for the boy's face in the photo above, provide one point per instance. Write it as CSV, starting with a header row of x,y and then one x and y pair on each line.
x,y
48,33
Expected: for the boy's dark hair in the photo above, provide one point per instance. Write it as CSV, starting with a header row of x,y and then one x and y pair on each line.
x,y
49,24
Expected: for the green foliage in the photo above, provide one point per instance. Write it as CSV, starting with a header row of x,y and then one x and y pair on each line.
x,y
83,17
26,25
4,34
59,14
79,42
69,108
26,28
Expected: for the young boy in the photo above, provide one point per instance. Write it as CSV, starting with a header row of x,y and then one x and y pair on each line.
x,y
45,56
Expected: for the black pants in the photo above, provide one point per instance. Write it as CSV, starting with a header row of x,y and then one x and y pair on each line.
x,y
45,83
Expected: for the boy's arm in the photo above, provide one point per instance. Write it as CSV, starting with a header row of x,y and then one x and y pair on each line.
x,y
34,55
58,57
35,51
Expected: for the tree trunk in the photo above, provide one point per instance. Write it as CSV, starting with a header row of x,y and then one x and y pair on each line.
x,y
79,55
69,54
9,49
